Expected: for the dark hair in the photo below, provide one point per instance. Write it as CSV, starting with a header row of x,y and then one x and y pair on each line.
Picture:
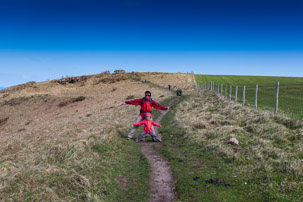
x,y
147,92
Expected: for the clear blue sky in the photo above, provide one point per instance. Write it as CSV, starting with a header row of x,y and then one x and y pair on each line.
x,y
48,39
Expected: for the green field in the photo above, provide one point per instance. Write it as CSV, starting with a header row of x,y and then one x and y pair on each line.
x,y
290,92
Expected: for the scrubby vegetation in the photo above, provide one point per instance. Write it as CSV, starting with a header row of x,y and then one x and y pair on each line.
x,y
71,100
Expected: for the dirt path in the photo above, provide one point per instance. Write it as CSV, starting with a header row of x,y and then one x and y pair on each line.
x,y
161,180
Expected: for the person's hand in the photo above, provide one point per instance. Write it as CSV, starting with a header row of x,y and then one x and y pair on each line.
x,y
168,108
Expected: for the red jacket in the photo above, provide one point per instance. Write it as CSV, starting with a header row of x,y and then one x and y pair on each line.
x,y
147,125
146,105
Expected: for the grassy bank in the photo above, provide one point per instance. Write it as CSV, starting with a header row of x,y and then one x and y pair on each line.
x,y
264,167
98,169
290,92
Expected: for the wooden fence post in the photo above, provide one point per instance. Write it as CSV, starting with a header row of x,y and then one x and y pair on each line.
x,y
221,89
277,97
218,88
236,95
256,97
225,91
243,96
230,88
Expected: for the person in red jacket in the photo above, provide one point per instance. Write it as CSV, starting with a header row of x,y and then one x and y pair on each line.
x,y
146,104
148,129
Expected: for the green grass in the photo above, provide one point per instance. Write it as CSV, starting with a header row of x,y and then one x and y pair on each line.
x,y
249,81
290,93
128,162
204,173
103,170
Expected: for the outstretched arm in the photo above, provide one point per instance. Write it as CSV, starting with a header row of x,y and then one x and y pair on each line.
x,y
158,106
134,102
156,124
139,123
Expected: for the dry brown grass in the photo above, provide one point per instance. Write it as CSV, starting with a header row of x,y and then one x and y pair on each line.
x,y
176,80
270,146
41,140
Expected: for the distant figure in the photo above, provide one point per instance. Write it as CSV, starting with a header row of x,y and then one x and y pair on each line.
x,y
169,87
179,92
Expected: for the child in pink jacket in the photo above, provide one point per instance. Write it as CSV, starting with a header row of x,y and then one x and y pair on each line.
x,y
148,123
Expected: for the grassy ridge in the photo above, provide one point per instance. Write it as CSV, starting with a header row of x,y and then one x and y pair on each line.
x,y
290,93
266,166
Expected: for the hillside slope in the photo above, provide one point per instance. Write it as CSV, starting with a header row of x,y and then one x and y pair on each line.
x,y
53,132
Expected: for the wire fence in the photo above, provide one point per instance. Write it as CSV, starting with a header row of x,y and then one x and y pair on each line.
x,y
286,98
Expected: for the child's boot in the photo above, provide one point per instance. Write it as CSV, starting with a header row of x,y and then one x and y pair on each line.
x,y
158,140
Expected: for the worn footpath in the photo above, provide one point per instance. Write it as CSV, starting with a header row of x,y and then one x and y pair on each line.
x,y
161,180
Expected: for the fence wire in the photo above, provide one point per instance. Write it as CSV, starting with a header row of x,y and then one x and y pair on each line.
x,y
290,99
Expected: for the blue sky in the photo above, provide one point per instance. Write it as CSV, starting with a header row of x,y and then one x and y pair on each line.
x,y
41,40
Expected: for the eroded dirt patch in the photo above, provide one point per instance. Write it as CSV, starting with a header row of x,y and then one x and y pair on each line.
x,y
121,181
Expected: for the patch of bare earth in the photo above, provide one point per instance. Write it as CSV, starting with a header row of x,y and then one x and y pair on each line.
x,y
121,181
161,180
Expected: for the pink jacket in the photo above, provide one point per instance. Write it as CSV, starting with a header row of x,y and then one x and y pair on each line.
x,y
147,125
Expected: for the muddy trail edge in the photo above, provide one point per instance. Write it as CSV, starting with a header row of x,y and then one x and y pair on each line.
x,y
161,179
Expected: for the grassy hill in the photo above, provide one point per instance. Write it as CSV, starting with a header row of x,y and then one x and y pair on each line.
x,y
290,92
65,139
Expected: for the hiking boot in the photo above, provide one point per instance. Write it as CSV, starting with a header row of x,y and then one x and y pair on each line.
x,y
158,140
139,140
